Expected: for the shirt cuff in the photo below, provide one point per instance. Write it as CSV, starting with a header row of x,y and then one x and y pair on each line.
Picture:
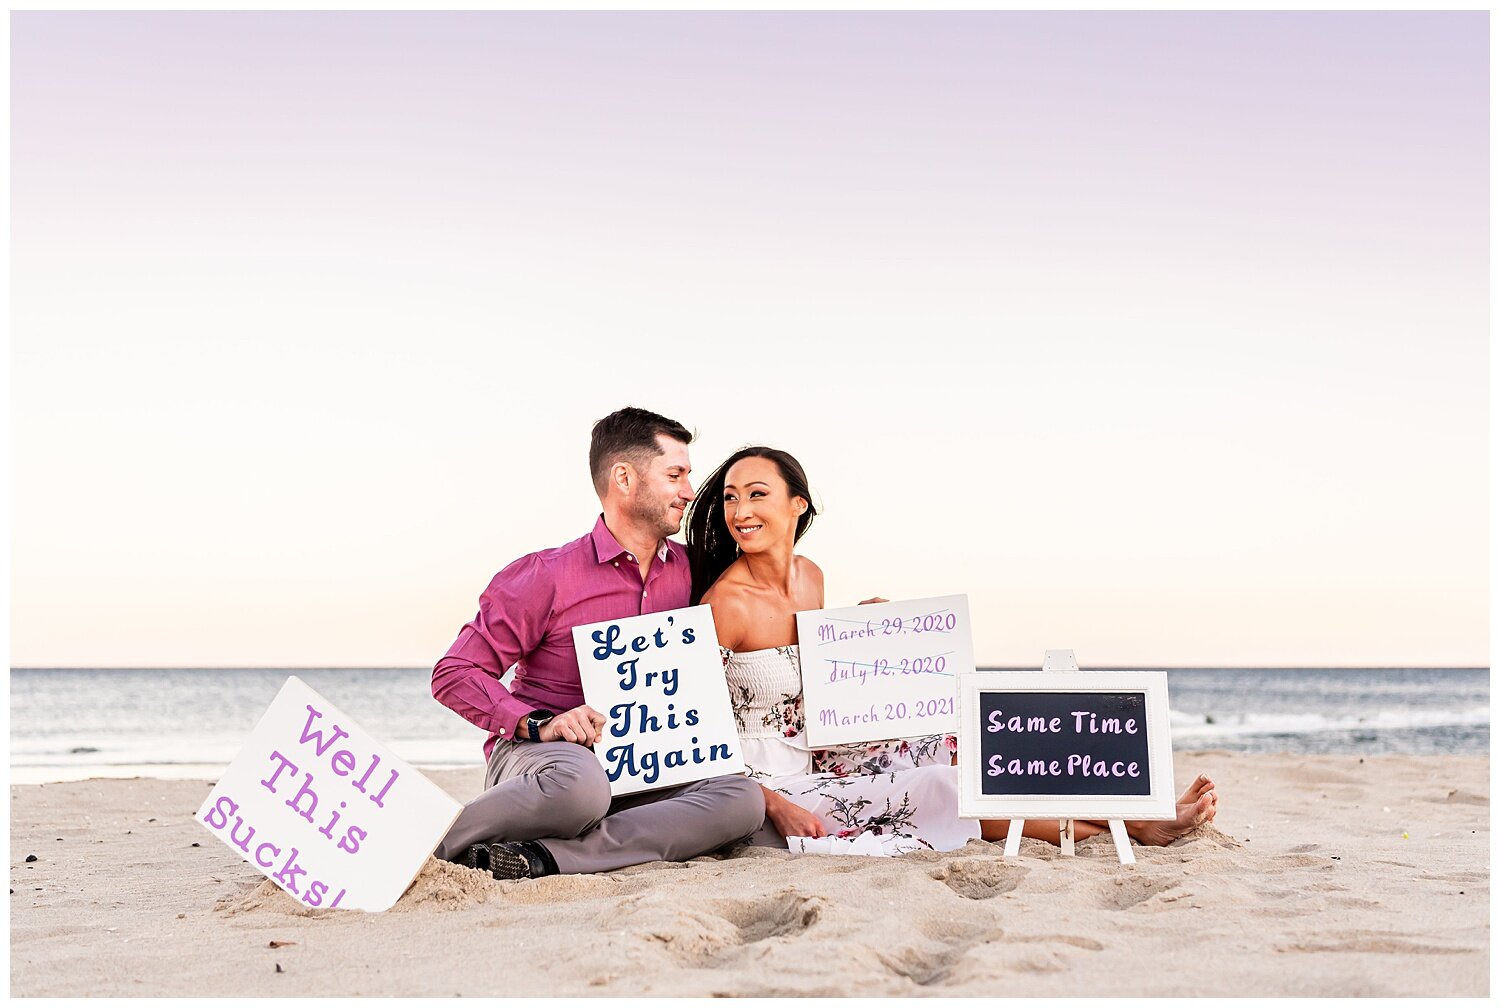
x,y
509,711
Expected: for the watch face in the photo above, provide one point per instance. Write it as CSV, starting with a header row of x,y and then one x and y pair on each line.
x,y
534,722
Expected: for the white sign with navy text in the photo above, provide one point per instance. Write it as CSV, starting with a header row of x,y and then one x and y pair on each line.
x,y
323,809
658,679
883,671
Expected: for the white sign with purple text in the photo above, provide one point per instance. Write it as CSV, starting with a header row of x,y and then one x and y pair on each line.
x,y
324,810
658,680
883,671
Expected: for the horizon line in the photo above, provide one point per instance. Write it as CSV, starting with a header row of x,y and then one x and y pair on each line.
x,y
1108,667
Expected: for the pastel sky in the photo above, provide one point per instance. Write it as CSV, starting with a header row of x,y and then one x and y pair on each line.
x,y
1162,336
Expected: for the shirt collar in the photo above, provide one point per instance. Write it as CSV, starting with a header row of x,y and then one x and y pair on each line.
x,y
607,548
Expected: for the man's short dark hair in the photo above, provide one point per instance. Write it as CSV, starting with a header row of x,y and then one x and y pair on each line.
x,y
630,435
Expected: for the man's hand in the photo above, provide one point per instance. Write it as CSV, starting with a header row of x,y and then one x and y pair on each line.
x,y
581,725
791,819
871,601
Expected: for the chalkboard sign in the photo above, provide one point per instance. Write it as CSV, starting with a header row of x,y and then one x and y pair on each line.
x,y
1078,745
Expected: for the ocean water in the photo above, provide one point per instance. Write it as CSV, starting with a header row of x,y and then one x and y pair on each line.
x,y
70,724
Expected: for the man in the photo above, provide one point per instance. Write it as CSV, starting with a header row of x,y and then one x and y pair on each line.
x,y
547,808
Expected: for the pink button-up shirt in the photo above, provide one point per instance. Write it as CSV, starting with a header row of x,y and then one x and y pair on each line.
x,y
527,616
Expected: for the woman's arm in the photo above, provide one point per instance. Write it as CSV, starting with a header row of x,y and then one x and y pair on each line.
x,y
732,621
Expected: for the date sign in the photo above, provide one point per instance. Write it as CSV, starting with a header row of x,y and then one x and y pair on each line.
x,y
883,671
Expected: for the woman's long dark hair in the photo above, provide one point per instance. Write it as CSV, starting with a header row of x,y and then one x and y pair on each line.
x,y
711,549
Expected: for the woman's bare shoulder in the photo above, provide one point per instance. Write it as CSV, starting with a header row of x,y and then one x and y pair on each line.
x,y
812,576
726,596
729,588
731,610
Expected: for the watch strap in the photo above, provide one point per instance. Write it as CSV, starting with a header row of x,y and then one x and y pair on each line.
x,y
534,722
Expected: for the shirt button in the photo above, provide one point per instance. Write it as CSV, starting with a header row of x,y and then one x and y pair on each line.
x,y
617,563
632,558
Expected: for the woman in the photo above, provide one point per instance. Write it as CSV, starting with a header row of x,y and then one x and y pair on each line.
x,y
742,528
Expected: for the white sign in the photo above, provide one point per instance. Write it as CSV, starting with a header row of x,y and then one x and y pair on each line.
x,y
883,671
1070,745
658,680
324,810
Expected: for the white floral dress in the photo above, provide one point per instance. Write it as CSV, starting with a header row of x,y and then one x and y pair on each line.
x,y
904,791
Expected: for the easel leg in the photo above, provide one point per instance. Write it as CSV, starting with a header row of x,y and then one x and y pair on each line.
x,y
1122,841
1065,836
1013,838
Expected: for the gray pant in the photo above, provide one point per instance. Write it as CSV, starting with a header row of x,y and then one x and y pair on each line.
x,y
557,792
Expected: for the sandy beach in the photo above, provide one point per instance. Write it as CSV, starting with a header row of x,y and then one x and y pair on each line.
x,y
1322,876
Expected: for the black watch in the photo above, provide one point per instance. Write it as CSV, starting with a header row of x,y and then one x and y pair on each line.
x,y
534,722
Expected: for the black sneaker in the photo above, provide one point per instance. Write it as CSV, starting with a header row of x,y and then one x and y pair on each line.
x,y
476,856
516,860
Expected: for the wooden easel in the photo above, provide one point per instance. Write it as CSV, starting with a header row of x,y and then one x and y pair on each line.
x,y
1063,661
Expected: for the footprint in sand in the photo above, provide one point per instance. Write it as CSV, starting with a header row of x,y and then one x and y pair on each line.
x,y
1364,943
1459,797
1475,879
958,931
783,915
928,967
1298,859
921,967
978,880
1124,893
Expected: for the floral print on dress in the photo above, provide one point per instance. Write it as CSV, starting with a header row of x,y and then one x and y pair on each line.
x,y
740,700
787,716
884,757
904,791
854,819
856,813
783,716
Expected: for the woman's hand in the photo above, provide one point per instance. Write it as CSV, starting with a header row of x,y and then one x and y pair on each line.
x,y
791,819
872,601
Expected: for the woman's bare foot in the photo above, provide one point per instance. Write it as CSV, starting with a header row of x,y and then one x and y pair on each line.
x,y
1196,790
1197,806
